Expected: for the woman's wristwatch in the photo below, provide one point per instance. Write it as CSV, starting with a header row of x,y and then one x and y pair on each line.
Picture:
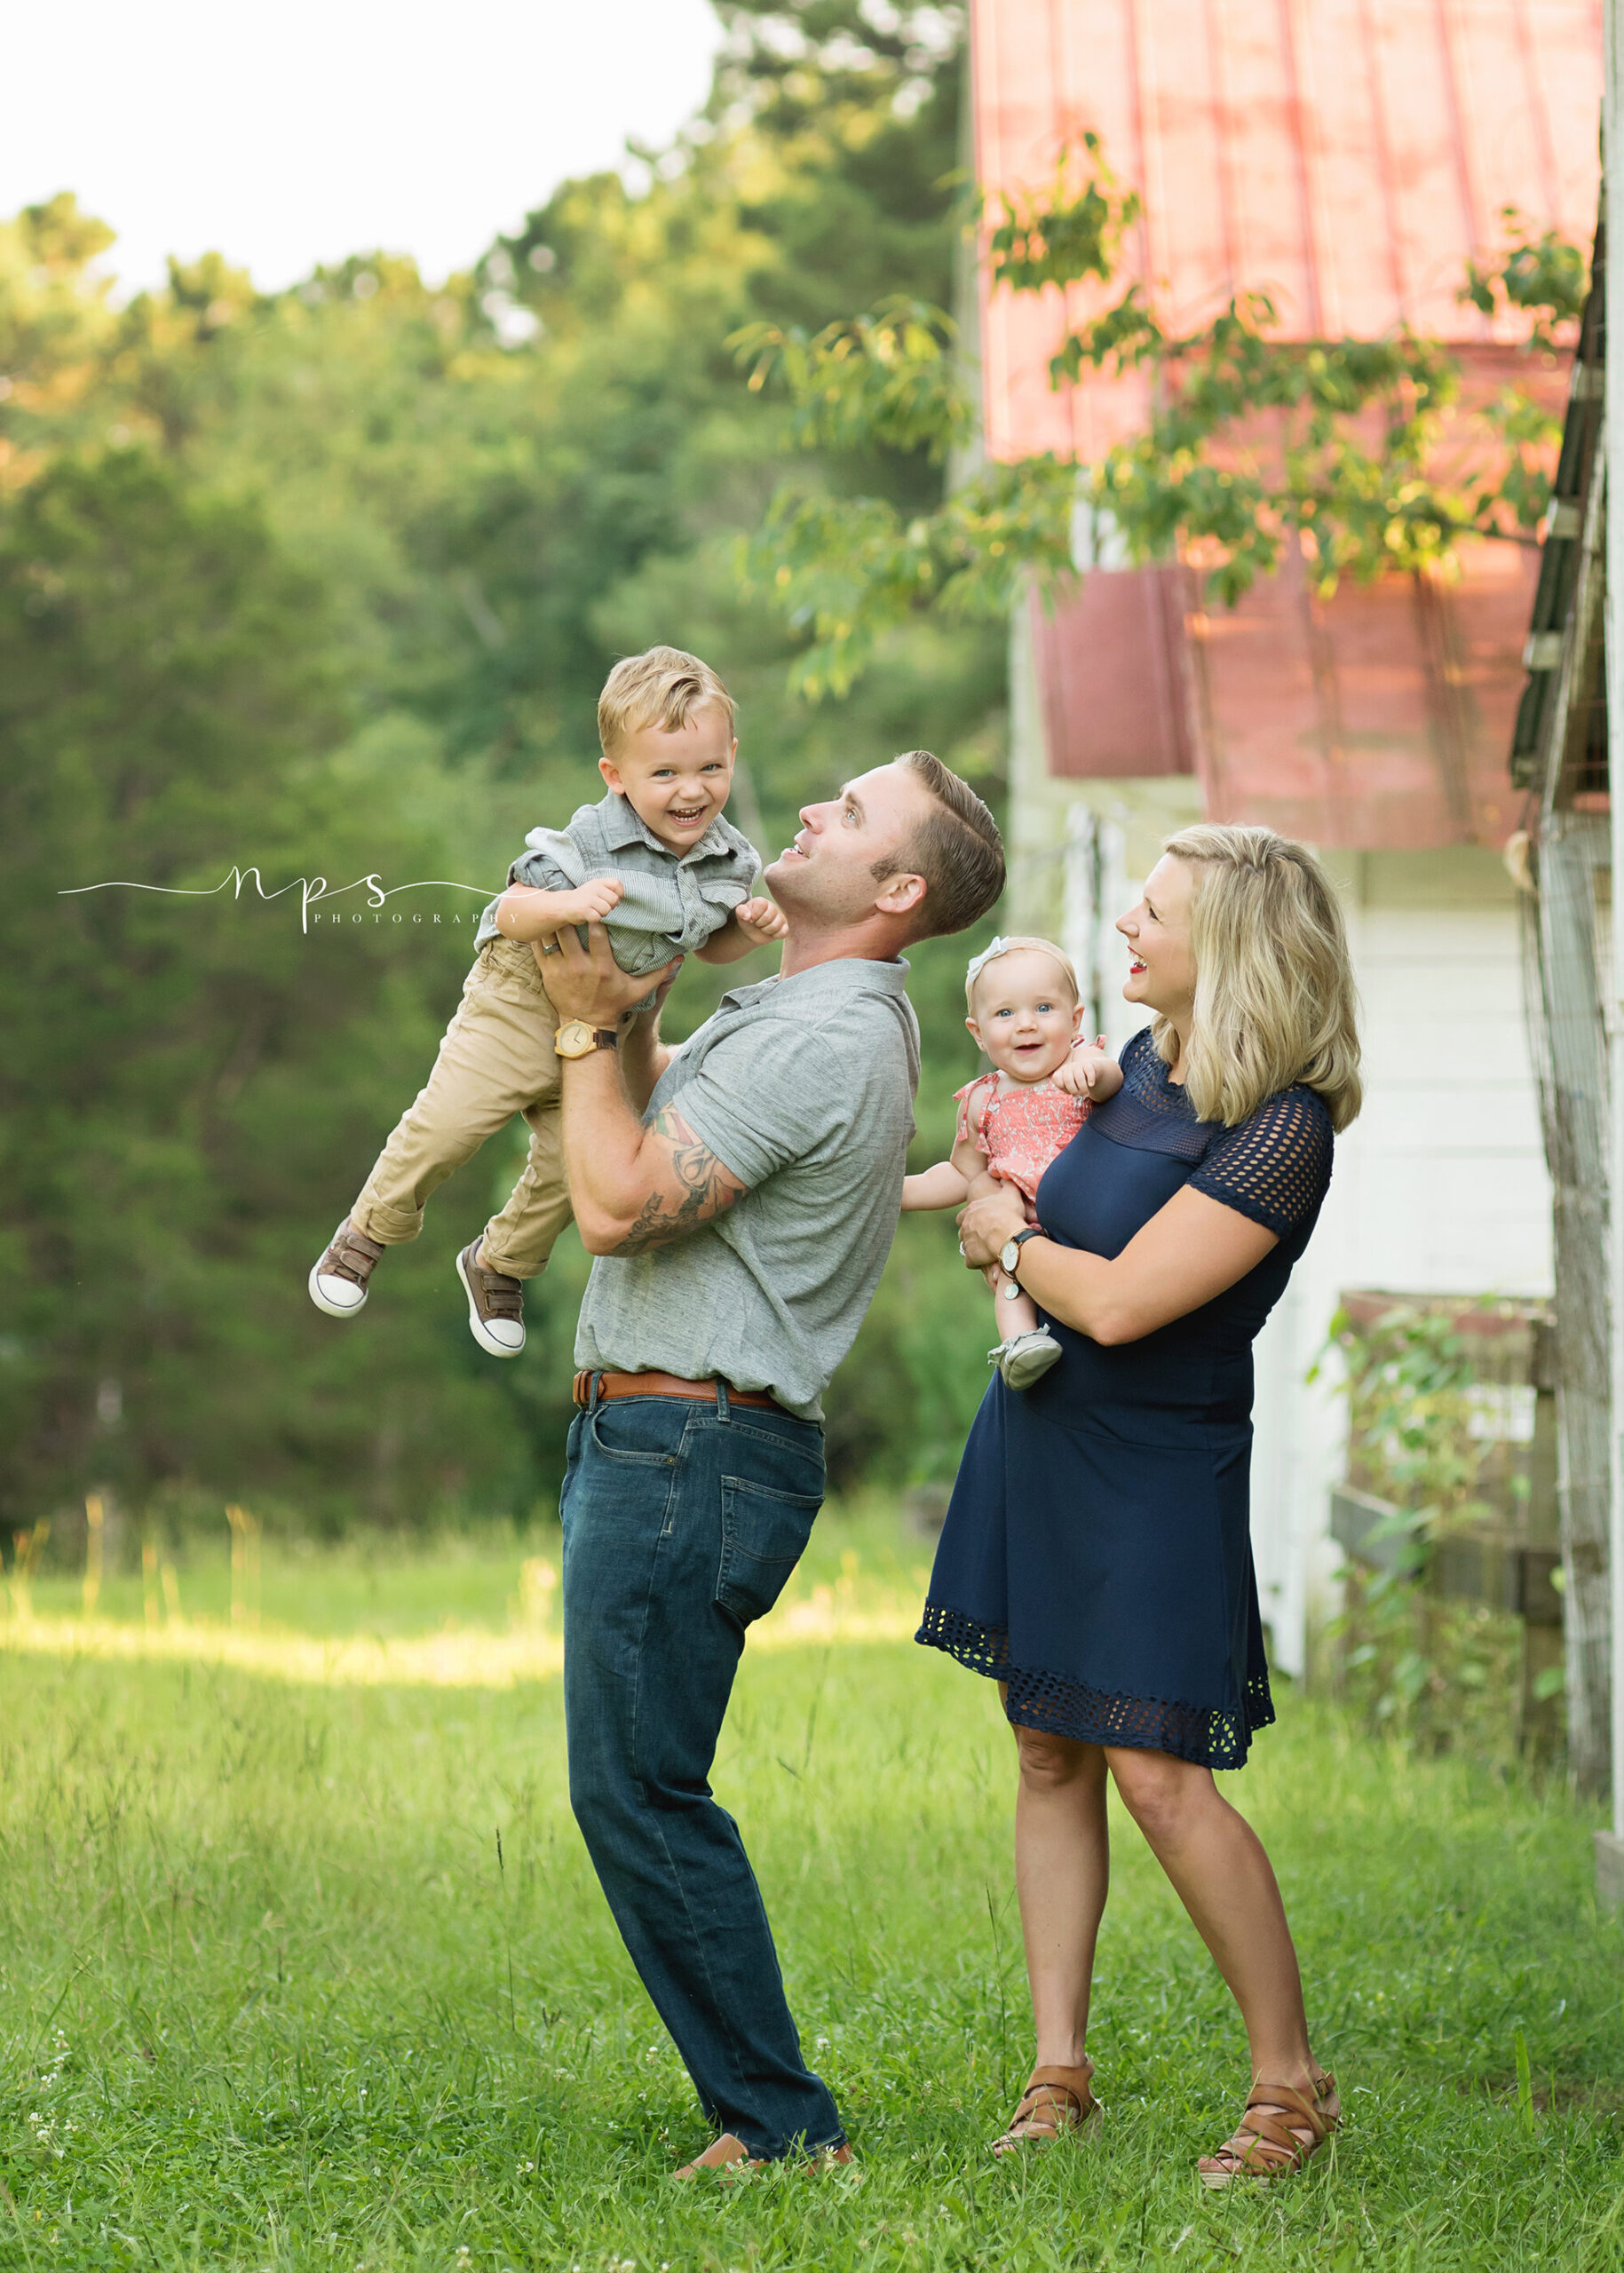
x,y
1008,1254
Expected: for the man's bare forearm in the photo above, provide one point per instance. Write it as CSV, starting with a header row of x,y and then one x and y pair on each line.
x,y
644,1057
634,1187
603,1135
689,1186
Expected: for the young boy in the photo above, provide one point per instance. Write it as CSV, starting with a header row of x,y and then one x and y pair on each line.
x,y
654,861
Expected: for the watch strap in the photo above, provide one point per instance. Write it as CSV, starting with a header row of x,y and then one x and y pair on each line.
x,y
1017,1241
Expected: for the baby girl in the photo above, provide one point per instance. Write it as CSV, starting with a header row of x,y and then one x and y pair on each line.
x,y
1022,997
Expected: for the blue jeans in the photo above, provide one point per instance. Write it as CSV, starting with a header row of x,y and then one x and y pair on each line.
x,y
682,1521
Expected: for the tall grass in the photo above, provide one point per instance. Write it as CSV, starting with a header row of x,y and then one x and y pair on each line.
x,y
272,1995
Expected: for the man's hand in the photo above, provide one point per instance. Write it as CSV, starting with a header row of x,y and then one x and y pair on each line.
x,y
986,1223
761,922
588,983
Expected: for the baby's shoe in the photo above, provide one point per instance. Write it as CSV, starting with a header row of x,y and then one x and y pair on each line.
x,y
1029,1357
338,1281
496,1305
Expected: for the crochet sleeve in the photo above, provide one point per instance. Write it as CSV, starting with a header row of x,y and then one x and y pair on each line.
x,y
1275,1167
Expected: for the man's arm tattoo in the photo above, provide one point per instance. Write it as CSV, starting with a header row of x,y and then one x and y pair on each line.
x,y
692,1188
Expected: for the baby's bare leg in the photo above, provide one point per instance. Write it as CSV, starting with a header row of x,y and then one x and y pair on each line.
x,y
1016,1313
1013,1311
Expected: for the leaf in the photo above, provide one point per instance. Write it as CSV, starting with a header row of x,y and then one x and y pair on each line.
x,y
1254,447
1524,2081
1070,230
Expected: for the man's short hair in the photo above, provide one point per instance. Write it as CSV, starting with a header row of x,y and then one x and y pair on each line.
x,y
956,849
663,687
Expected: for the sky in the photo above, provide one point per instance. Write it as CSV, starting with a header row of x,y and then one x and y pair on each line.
x,y
288,136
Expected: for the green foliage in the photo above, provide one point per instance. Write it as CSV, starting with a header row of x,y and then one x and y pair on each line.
x,y
887,379
852,571
272,1995
1062,233
1253,444
1356,510
1542,277
1435,1671
181,1070
859,108
324,583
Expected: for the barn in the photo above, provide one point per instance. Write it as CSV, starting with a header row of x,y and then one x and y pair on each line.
x,y
1347,157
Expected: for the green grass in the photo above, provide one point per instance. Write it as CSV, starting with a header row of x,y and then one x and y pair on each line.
x,y
270,1998
382,1584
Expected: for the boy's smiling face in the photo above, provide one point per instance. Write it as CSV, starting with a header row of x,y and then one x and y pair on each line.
x,y
676,782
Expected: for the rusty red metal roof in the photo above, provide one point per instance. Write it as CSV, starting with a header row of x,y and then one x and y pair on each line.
x,y
1347,157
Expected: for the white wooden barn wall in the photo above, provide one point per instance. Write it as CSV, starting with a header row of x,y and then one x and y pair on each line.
x,y
1440,1186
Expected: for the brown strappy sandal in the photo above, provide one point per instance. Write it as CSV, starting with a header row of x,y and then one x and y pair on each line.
x,y
1055,2100
1268,2144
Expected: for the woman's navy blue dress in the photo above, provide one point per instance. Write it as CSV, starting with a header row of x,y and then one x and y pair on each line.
x,y
1096,1555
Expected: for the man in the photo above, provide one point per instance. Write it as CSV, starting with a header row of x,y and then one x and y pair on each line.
x,y
742,1193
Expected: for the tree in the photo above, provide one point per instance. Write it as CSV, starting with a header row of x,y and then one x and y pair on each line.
x,y
324,583
1253,444
170,697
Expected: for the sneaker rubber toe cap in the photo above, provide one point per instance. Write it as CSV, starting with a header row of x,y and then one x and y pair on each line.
x,y
338,1298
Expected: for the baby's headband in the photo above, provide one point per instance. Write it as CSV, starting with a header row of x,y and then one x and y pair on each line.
x,y
1016,943
978,963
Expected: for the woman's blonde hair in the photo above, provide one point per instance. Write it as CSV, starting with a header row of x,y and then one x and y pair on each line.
x,y
1275,1001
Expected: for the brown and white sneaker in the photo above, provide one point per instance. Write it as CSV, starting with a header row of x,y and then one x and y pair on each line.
x,y
496,1305
338,1281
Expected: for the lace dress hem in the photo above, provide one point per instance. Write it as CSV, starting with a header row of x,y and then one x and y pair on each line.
x,y
1059,1706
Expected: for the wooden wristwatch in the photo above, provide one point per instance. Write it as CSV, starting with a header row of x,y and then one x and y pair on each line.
x,y
576,1039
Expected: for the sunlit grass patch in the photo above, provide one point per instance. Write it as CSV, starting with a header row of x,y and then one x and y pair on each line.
x,y
502,1628
272,1995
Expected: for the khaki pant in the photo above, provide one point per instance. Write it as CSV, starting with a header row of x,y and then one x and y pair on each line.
x,y
496,1059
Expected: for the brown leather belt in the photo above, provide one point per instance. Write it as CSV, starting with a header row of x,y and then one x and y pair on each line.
x,y
665,1385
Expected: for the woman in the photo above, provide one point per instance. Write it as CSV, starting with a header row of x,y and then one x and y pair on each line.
x,y
1095,1559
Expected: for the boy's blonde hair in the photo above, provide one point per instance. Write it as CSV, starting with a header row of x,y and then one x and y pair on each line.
x,y
662,688
1018,943
1275,1001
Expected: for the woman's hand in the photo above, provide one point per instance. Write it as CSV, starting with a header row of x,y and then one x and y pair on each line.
x,y
986,1223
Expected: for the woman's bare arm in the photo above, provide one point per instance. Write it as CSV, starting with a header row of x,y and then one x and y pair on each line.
x,y
1190,1251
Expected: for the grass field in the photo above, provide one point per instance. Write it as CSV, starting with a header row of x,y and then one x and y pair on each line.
x,y
271,1994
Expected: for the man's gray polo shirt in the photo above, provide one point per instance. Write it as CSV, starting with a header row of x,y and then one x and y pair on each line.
x,y
672,904
804,1087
